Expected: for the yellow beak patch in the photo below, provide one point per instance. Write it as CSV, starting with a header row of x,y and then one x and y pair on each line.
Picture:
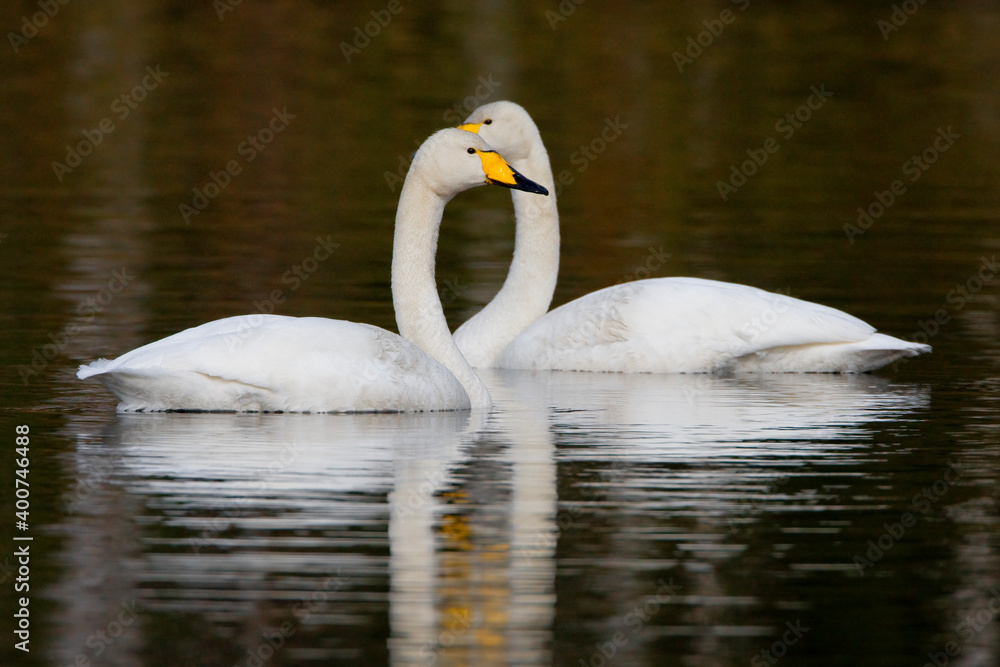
x,y
471,127
496,168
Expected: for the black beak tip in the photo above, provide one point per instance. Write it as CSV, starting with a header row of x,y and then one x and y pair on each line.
x,y
528,185
538,189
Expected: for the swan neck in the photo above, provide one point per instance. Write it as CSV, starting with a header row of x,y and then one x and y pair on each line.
x,y
419,313
531,281
536,240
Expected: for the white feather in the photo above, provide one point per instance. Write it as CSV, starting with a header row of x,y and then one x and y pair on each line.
x,y
273,363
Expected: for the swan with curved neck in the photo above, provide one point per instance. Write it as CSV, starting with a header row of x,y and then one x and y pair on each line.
x,y
274,363
531,281
659,325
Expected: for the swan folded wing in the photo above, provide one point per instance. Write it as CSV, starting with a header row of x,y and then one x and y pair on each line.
x,y
739,319
767,332
712,326
692,325
275,363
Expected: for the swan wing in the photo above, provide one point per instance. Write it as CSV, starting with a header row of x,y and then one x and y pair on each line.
x,y
692,325
277,363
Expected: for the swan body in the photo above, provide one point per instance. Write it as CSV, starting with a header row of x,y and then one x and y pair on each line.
x,y
690,325
277,363
274,363
659,325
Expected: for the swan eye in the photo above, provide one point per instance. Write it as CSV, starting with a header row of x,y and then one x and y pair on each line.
x,y
471,151
488,121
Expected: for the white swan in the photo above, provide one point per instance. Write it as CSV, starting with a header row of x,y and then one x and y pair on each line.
x,y
660,325
277,363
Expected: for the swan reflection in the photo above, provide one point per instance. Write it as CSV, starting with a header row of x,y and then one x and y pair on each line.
x,y
321,535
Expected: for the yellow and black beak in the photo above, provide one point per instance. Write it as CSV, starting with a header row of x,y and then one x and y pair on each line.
x,y
498,172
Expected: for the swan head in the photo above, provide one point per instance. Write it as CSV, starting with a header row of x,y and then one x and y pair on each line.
x,y
453,160
506,126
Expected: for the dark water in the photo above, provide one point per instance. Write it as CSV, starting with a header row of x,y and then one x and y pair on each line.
x,y
591,520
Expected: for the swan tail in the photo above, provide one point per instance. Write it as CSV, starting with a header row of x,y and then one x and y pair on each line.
x,y
157,390
89,370
881,350
874,352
